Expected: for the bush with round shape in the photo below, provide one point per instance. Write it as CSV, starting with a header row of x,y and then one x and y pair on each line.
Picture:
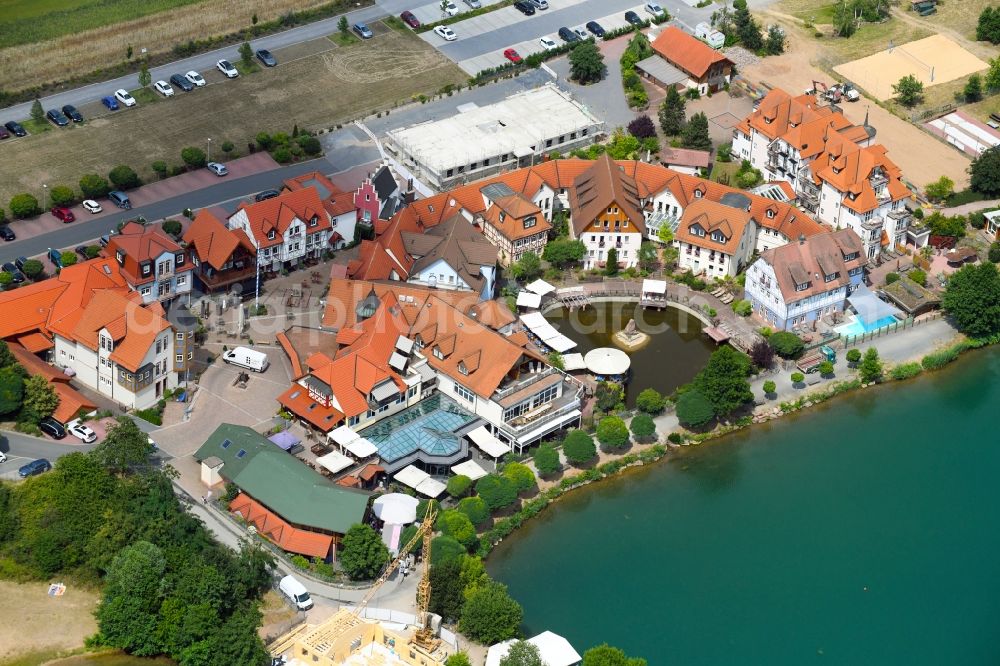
x,y
458,526
445,549
124,177
93,251
853,355
62,195
310,145
490,615
694,410
825,368
650,401
23,206
6,279
475,508
282,155
643,428
94,186
160,168
68,258
520,475
458,485
33,268
770,387
546,460
497,491
786,344
918,275
194,157
797,378
579,447
612,433
172,227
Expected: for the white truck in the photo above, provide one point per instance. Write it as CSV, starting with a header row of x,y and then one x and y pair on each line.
x,y
296,592
245,357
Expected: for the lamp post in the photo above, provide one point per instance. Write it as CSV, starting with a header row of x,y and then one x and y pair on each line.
x,y
209,150
45,195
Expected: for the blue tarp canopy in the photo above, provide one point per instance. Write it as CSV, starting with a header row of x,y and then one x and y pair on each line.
x,y
870,307
285,439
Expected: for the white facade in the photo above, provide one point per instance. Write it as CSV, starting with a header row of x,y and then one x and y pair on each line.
x,y
598,244
345,224
712,262
765,296
442,275
300,239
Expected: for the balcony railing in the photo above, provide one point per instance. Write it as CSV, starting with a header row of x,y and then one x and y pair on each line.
x,y
502,393
569,403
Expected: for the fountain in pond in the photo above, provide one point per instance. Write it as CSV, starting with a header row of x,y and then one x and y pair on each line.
x,y
631,338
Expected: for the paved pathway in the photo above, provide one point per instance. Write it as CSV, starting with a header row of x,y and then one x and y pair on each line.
x,y
971,207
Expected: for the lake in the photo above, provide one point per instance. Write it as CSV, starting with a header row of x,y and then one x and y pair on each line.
x,y
863,532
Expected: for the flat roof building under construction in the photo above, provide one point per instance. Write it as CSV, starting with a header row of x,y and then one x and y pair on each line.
x,y
482,141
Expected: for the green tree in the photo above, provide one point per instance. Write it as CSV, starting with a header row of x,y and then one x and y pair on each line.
x,y
458,526
608,395
123,177
444,549
797,378
529,268
67,258
622,146
643,428
556,360
475,508
844,21
665,234
871,366
940,189
994,252
562,252
769,387
194,157
775,43
237,641
973,90
32,268
650,401
984,172
62,195
586,63
648,257
694,409
546,460
909,90
695,133
490,615
127,616
520,475
7,359
992,81
37,112
364,554
672,112
825,368
578,447
522,653
23,206
723,381
172,227
747,27
246,54
918,276
988,28
447,594
11,389
40,400
342,26
972,299
497,491
611,265
124,447
612,433
786,344
458,659
458,485
145,78
94,186
944,225
228,147
473,573
605,655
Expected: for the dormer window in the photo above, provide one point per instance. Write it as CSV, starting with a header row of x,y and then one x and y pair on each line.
x,y
462,368
120,257
851,257
697,194
718,237
146,268
770,213
802,287
178,260
503,216
270,235
697,231
831,277
530,222
313,221
437,353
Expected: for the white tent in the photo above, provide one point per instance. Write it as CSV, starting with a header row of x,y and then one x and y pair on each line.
x,y
430,487
560,343
574,362
526,299
335,462
607,361
469,468
552,648
541,287
396,508
411,476
489,444
342,435
361,448
654,286
533,320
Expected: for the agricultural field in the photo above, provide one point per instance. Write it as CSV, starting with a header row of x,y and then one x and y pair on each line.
x,y
44,41
367,76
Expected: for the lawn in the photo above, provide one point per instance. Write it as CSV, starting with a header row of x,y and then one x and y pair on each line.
x,y
374,74
959,15
724,172
344,38
28,614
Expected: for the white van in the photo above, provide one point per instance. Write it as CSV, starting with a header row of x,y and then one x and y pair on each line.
x,y
709,35
246,358
296,592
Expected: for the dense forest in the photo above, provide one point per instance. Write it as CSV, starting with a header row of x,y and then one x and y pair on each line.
x,y
110,518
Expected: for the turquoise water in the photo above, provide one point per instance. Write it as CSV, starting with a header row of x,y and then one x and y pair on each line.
x,y
859,327
864,532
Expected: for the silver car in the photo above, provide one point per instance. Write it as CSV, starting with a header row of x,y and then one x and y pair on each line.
x,y
218,169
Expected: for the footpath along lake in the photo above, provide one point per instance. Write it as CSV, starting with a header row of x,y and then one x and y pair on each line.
x,y
862,532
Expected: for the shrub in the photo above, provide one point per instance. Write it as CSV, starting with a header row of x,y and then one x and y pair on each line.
x,y
643,428
612,433
445,549
786,344
475,508
770,387
193,157
282,155
650,401
743,308
310,145
905,371
160,168
579,447
918,276
123,177
459,485
172,227
798,378
694,409
94,186
520,475
23,206
458,526
265,141
891,277
32,268
994,254
67,258
853,355
675,438
62,195
497,491
546,460
228,147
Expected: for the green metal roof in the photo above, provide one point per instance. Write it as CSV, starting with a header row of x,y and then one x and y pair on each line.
x,y
282,482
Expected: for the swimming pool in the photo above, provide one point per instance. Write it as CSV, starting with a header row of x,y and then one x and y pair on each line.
x,y
858,327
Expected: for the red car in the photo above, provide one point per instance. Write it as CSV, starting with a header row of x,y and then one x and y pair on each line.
x,y
512,55
64,214
409,19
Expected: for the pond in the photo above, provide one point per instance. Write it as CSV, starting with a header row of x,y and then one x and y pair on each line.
x,y
676,351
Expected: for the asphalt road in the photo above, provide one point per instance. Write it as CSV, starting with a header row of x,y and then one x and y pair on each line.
x,y
87,230
21,449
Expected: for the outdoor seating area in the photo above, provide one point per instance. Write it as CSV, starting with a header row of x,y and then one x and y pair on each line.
x,y
723,295
654,293
544,334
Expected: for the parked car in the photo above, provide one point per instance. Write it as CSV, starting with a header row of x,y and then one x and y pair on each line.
x,y
474,4
654,9
83,433
15,128
525,7
409,19
104,240
581,33
163,88
17,277
266,58
110,102
35,467
20,262
181,82
539,4
52,427
81,250
363,31
56,117
512,55
3,457
63,213
55,256
568,35
7,233
71,112
634,18
595,28
91,206
227,69
548,44
4,133
265,195
450,8
195,78
124,97
120,199
446,33
218,169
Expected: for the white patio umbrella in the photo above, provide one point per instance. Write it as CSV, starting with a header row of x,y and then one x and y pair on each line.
x,y
396,508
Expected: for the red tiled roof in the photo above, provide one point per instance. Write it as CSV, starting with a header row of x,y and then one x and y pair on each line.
x,y
140,244
278,213
36,342
211,241
293,357
685,51
275,528
35,365
71,402
297,400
